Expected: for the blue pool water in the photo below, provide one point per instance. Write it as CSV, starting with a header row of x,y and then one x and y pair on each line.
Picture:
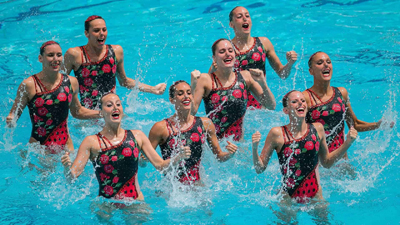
x,y
164,41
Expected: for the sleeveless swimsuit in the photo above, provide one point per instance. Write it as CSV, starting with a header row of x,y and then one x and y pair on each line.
x,y
331,114
254,58
48,110
116,167
226,106
96,78
298,160
194,137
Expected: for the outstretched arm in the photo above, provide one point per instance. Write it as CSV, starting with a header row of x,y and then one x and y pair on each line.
x,y
261,162
282,71
213,141
258,86
352,120
327,158
129,82
77,110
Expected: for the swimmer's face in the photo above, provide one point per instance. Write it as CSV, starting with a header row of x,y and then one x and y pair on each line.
x,y
111,108
297,105
51,58
224,54
182,97
321,67
97,33
241,21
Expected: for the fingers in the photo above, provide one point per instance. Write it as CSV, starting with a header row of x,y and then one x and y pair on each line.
x,y
291,56
232,148
214,64
392,124
161,88
186,152
143,157
9,121
352,135
195,74
256,72
256,137
65,160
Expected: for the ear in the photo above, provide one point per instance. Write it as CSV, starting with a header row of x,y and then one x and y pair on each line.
x,y
40,58
285,110
231,24
86,34
172,100
311,71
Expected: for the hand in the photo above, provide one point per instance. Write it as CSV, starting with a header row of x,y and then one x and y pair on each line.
x,y
143,157
291,57
185,152
232,148
195,75
256,137
379,123
214,65
10,121
65,160
257,74
159,89
352,134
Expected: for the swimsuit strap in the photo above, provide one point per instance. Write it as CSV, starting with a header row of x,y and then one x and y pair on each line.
x,y
103,139
39,83
169,127
285,131
216,80
85,54
313,95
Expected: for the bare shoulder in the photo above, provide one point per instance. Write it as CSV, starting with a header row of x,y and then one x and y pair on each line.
x,y
208,124
344,92
266,43
159,127
275,132
117,49
319,127
246,76
306,97
74,52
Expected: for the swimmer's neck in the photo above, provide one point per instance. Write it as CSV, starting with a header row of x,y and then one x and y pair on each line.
x,y
182,117
94,49
49,76
322,88
112,130
223,73
242,40
297,126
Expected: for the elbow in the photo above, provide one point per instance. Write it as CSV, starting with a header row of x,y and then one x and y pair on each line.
x,y
271,106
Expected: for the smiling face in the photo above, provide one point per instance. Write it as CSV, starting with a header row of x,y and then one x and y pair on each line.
x,y
51,57
321,67
224,54
182,97
241,21
97,33
111,108
296,105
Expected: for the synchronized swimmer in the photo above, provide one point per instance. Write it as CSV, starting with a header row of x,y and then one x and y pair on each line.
x,y
235,83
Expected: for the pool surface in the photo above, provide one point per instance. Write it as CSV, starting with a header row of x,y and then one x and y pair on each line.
x,y
164,41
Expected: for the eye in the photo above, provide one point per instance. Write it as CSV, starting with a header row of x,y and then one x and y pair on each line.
x,y
59,54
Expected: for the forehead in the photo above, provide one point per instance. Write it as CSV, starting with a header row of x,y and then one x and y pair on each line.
x,y
320,55
52,48
224,44
111,97
295,95
240,10
97,23
182,86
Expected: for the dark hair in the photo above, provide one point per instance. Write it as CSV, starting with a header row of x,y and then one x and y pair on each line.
x,y
231,13
311,57
172,87
214,46
285,98
101,99
90,19
47,43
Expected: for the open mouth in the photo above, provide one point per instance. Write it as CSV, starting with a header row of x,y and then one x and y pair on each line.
x,y
228,60
245,25
186,102
326,73
115,115
55,65
101,41
301,110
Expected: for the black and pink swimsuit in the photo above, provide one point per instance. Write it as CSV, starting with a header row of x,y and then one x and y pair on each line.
x,y
331,114
298,161
48,110
96,78
254,58
194,137
226,106
116,167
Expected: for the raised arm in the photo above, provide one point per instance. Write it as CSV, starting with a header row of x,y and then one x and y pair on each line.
x,y
352,120
152,155
282,71
257,84
129,82
84,152
201,86
213,142
261,162
77,110
20,102
328,159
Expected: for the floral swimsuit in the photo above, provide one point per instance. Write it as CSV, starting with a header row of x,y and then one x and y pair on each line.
x,y
331,114
48,110
194,137
254,58
298,160
96,78
226,106
116,167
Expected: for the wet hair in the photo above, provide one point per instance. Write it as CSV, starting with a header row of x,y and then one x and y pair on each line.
x,y
231,13
172,88
311,57
214,46
101,99
285,98
90,19
47,43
